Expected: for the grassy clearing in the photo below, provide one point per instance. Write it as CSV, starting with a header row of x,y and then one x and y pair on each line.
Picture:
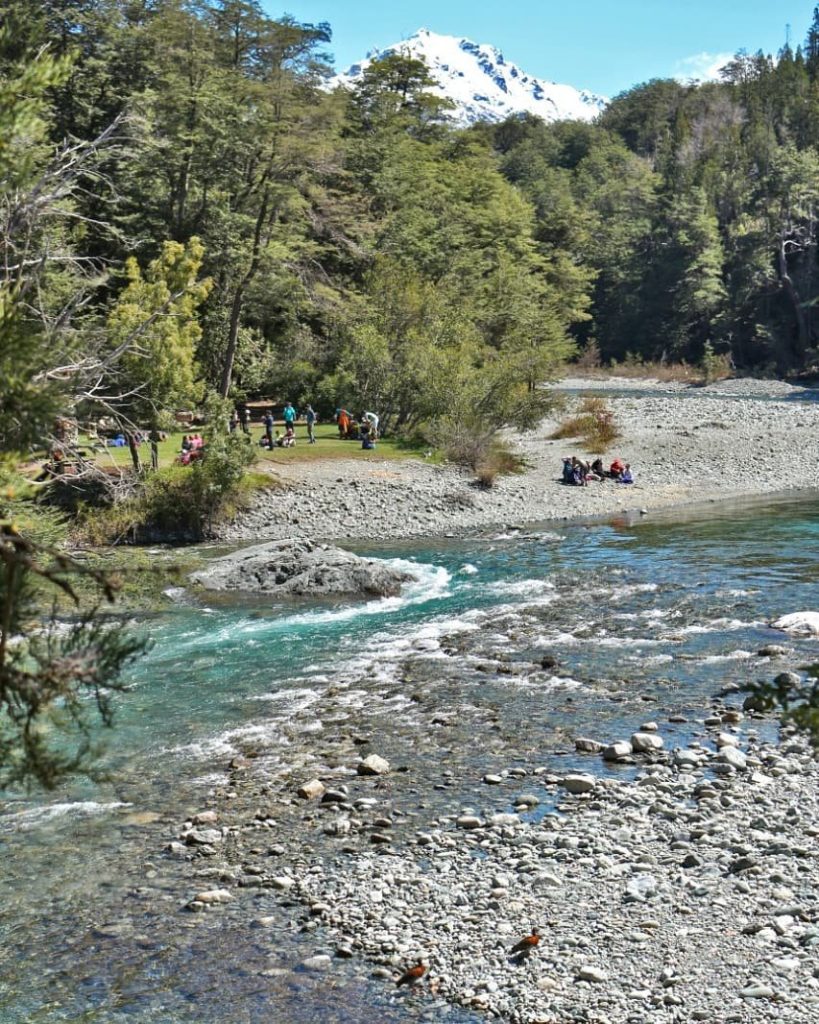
x,y
327,447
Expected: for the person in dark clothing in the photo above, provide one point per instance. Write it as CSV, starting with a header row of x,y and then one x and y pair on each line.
x,y
244,417
310,419
268,427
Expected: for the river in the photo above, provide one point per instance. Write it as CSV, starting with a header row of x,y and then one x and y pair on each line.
x,y
645,618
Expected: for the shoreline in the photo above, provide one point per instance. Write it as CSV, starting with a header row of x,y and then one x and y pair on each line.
x,y
736,441
636,887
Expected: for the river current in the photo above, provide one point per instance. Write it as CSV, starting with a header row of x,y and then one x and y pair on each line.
x,y
506,648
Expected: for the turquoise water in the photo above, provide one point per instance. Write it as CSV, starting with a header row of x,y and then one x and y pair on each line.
x,y
645,618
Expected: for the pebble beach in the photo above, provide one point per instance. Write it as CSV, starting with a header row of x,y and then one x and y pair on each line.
x,y
683,889
684,892
732,440
542,723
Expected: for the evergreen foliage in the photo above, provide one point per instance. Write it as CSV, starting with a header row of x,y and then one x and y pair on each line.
x,y
685,216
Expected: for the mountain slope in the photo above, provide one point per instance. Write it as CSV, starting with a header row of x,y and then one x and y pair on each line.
x,y
482,84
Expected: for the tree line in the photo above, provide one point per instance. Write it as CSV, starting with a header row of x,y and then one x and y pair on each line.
x,y
290,241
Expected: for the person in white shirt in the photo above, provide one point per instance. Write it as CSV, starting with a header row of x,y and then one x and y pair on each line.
x,y
372,419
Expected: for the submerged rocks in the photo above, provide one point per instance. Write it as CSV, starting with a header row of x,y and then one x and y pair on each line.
x,y
300,568
772,651
373,765
211,896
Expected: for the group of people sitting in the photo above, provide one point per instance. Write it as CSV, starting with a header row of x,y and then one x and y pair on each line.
x,y
363,429
279,439
193,448
577,472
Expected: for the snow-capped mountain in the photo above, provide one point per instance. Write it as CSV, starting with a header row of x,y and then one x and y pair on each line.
x,y
482,84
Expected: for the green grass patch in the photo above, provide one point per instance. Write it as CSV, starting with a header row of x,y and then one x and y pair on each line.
x,y
328,446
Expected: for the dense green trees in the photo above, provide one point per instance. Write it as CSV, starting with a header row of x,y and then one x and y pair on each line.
x,y
53,674
685,216
357,241
319,213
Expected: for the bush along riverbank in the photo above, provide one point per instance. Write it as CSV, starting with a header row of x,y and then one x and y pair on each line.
x,y
685,891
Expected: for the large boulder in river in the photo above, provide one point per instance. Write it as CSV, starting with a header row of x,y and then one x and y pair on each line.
x,y
300,568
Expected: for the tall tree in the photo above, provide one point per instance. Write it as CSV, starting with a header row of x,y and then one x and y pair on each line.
x,y
48,671
157,371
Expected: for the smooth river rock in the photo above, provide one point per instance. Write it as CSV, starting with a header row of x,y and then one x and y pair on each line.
x,y
373,765
312,789
578,784
646,742
615,751
301,568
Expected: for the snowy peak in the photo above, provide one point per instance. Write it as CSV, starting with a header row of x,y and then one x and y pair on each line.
x,y
481,83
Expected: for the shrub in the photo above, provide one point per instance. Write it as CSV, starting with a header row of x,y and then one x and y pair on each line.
x,y
589,358
467,447
499,460
634,366
715,365
594,424
797,703
183,503
506,460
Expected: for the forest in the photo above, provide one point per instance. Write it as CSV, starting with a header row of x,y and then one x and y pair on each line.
x,y
187,208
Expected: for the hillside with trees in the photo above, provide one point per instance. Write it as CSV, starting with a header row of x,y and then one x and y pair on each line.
x,y
355,248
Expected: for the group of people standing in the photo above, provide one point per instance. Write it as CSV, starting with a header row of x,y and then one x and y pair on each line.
x,y
273,438
363,428
578,472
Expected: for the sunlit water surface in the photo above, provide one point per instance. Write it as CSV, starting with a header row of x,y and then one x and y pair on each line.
x,y
646,618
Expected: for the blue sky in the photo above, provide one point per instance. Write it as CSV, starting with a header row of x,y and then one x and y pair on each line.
x,y
603,45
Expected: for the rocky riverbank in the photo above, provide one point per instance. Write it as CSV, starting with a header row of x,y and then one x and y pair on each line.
x,y
687,892
735,439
